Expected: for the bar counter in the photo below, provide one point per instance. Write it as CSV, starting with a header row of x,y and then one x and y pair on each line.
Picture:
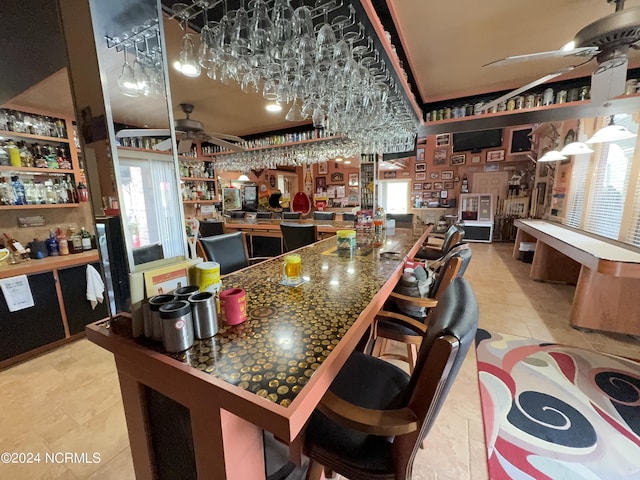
x,y
267,373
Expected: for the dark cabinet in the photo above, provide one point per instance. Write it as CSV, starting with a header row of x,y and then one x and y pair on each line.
x,y
73,283
32,327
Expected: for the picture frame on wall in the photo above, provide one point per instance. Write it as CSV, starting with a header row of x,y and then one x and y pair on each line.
x,y
442,140
421,176
417,186
448,185
323,168
446,175
440,156
321,184
434,175
391,174
438,186
428,186
495,156
420,154
353,179
475,159
458,159
421,167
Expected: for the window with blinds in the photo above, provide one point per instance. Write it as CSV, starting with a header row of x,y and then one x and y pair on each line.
x,y
609,188
634,232
576,197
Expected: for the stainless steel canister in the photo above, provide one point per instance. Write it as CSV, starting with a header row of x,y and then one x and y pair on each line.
x,y
177,326
154,309
204,313
183,293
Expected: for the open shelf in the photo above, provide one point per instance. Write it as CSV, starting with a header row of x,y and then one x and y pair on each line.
x,y
10,134
59,171
280,145
38,207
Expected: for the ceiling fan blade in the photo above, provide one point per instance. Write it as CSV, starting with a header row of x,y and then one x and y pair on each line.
x,y
163,145
608,80
582,51
184,145
225,136
228,145
524,88
143,132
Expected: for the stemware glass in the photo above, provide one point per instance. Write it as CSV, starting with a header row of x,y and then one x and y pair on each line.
x,y
126,80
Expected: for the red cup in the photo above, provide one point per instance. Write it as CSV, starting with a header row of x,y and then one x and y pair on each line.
x,y
233,306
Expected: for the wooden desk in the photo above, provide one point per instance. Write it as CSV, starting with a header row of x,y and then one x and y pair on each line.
x,y
204,410
606,275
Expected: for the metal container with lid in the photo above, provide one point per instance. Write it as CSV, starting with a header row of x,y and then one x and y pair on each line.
x,y
154,327
183,293
204,314
177,326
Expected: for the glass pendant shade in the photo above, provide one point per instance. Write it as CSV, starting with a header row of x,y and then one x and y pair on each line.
x,y
611,133
243,178
552,156
575,148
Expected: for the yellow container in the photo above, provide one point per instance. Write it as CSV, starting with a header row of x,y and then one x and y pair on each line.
x,y
346,239
208,276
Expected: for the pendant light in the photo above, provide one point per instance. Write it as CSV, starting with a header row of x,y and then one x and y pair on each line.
x,y
575,148
611,133
552,156
243,178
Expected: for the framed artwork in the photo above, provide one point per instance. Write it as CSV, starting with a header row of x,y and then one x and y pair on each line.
x,y
420,154
322,168
495,156
417,186
475,159
442,139
421,167
435,194
448,185
421,176
337,177
458,159
272,181
446,175
440,156
353,179
391,174
438,186
321,183
434,175
428,186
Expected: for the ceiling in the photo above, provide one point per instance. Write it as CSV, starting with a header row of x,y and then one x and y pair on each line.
x,y
446,44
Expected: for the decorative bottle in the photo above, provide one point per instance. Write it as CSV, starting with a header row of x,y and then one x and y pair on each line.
x,y
19,191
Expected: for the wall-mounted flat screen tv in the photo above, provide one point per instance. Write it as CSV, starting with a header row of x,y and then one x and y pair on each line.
x,y
476,141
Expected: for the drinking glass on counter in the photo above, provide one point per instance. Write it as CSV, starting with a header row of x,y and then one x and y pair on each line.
x,y
292,269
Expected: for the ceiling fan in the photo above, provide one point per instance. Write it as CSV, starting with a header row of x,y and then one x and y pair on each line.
x,y
187,130
608,40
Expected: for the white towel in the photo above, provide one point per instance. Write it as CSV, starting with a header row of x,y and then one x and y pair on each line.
x,y
95,286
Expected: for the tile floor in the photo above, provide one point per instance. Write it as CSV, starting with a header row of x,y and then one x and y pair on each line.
x,y
69,401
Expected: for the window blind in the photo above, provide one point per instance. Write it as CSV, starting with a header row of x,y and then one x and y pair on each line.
x,y
634,233
613,167
576,197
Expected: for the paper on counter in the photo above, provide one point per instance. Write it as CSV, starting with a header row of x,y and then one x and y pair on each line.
x,y
17,292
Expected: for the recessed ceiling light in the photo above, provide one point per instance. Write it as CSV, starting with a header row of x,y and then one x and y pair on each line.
x,y
347,162
273,107
338,159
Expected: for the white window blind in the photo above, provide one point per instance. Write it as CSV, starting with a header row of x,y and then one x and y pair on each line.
x,y
634,233
612,166
575,201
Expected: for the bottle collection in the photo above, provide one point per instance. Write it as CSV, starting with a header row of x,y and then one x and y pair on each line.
x,y
196,169
194,191
61,190
21,122
59,242
23,154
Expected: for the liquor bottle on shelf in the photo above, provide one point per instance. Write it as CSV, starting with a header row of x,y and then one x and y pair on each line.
x,y
63,242
14,154
75,242
19,192
83,194
52,245
14,245
85,237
